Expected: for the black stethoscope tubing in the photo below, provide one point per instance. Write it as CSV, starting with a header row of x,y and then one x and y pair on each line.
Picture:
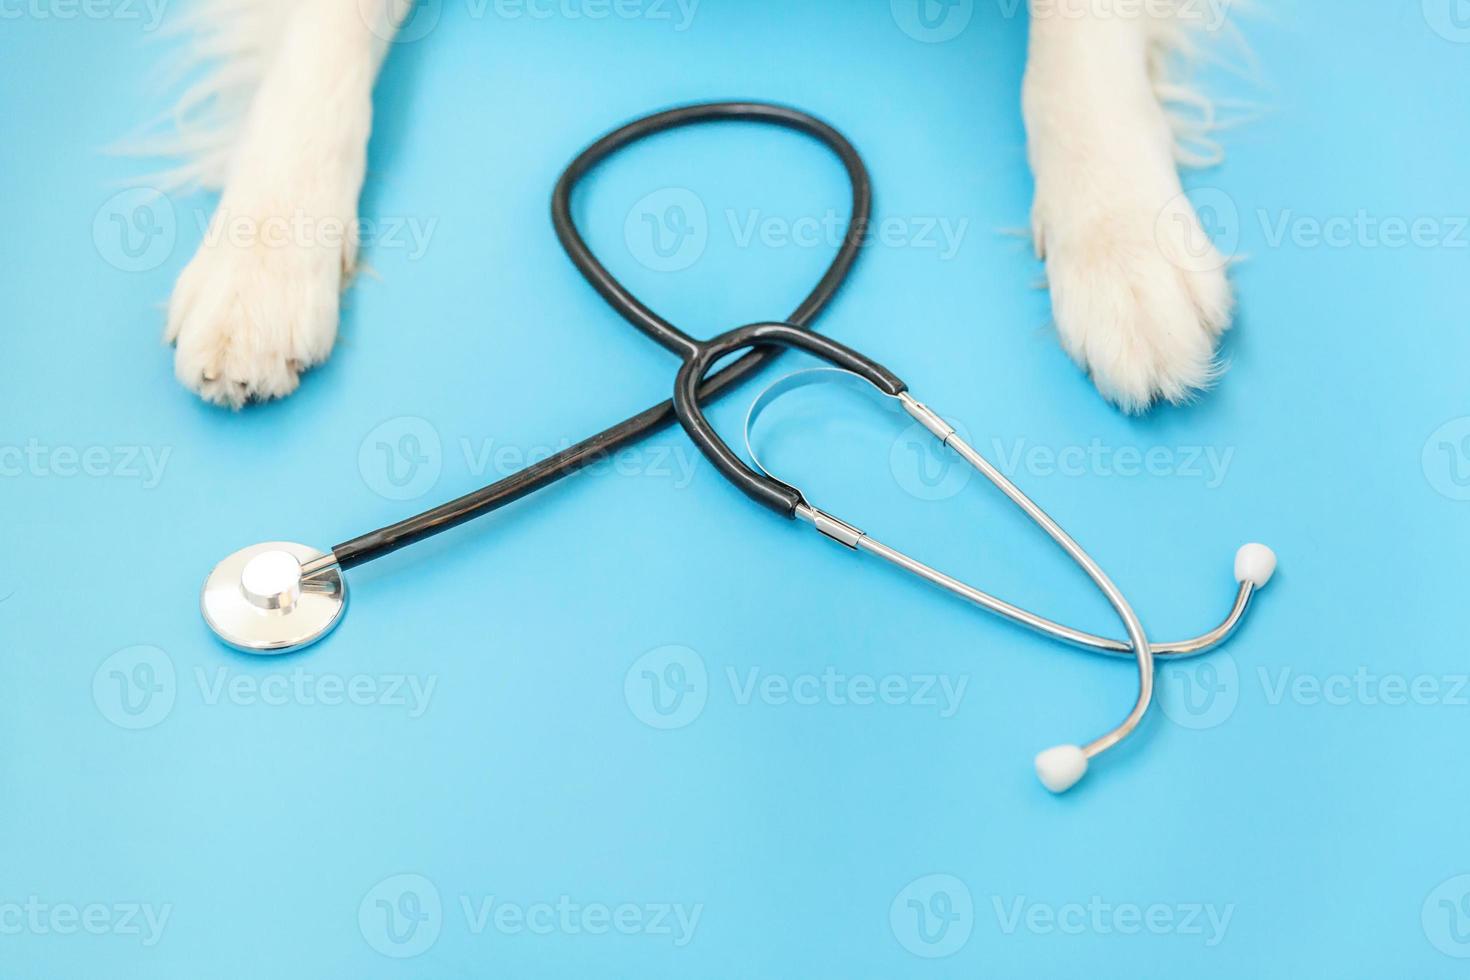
x,y
280,596
762,342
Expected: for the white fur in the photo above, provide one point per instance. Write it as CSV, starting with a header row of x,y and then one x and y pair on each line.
x,y
258,303
281,122
1138,293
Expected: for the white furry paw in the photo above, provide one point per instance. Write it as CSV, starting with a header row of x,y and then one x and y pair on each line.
x,y
1139,294
258,303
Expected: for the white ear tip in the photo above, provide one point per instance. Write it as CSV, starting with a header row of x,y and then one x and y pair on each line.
x,y
1255,563
1060,768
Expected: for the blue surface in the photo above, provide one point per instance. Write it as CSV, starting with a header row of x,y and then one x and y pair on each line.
x,y
1305,788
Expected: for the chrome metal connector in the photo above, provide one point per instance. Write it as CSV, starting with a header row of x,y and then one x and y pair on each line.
x,y
926,417
836,529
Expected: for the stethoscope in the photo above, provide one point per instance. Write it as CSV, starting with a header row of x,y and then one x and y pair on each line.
x,y
279,597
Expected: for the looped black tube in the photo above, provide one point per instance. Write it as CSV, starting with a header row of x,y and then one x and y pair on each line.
x,y
763,489
385,540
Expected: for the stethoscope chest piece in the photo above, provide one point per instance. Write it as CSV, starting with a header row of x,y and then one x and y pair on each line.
x,y
275,597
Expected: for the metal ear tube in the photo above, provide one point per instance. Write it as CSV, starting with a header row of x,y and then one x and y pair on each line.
x,y
1061,767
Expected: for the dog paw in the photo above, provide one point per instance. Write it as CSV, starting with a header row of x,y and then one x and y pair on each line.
x,y
1140,298
258,304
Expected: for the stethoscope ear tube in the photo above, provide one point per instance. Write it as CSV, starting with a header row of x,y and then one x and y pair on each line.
x,y
1058,768
759,486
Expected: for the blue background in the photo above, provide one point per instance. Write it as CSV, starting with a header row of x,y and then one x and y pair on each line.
x,y
1330,829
